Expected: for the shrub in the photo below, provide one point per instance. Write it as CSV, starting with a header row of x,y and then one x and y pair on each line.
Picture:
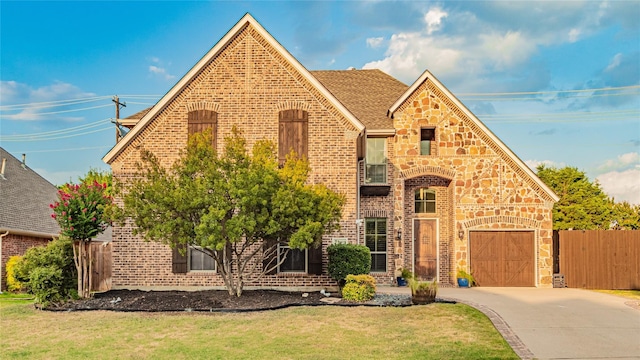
x,y
13,285
345,259
48,272
359,288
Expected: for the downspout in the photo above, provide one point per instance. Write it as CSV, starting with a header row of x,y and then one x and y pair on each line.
x,y
1,236
358,219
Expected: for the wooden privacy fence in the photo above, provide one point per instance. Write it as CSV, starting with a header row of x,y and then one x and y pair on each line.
x,y
101,267
599,259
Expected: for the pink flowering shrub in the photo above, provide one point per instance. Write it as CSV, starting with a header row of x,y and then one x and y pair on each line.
x,y
80,210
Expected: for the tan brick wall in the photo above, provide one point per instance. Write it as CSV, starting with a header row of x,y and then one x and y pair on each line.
x,y
487,189
247,85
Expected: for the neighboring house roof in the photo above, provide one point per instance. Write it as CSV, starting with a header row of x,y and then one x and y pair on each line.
x,y
427,76
131,121
247,20
25,198
368,94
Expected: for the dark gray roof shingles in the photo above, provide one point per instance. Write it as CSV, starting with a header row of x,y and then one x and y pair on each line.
x,y
25,197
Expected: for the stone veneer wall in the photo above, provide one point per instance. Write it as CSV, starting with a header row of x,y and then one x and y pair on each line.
x,y
247,84
488,189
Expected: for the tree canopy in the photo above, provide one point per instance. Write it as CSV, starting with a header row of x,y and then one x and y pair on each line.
x,y
583,205
237,206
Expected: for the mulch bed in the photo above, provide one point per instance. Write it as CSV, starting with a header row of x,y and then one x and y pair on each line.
x,y
206,300
214,301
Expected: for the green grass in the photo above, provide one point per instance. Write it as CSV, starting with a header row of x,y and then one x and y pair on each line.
x,y
10,299
631,294
437,331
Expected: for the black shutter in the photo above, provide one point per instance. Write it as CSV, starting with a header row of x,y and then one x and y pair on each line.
x,y
315,259
179,260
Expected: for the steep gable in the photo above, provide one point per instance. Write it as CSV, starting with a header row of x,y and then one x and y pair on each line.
x,y
249,33
480,141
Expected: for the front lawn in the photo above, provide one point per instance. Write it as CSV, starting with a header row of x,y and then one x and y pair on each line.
x,y
437,331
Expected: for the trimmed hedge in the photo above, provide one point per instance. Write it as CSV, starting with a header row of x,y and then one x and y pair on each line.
x,y
13,285
346,259
359,288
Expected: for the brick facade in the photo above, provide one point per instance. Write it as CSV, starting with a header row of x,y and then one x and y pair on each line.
x,y
17,245
478,185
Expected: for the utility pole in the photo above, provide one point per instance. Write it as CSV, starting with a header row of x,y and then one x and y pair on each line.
x,y
116,100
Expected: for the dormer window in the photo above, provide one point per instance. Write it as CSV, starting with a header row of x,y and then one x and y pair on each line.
x,y
427,137
376,161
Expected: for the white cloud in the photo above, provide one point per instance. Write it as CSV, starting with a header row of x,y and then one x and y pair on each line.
x,y
433,18
159,69
622,185
622,162
375,42
615,62
468,44
36,103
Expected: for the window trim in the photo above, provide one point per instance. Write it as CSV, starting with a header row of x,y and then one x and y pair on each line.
x,y
367,181
425,201
431,141
306,261
386,245
192,247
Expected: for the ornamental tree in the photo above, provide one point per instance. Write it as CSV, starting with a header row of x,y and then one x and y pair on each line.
x,y
80,212
583,205
238,207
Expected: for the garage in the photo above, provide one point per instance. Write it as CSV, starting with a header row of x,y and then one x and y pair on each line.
x,y
502,258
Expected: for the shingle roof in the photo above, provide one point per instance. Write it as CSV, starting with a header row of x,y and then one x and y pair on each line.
x,y
140,114
25,197
367,94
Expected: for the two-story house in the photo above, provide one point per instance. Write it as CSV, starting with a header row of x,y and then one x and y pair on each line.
x,y
428,186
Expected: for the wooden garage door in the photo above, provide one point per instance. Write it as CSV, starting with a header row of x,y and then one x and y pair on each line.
x,y
502,258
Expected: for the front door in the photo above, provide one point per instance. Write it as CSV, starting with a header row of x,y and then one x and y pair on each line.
x,y
425,249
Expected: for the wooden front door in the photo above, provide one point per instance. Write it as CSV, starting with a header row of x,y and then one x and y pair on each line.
x,y
425,249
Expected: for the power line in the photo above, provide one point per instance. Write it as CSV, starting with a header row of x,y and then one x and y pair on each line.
x,y
551,91
52,132
62,150
52,103
56,137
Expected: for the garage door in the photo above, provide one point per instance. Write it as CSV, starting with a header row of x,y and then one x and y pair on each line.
x,y
502,258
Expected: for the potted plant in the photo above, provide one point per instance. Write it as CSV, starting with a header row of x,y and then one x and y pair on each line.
x,y
423,292
405,275
465,279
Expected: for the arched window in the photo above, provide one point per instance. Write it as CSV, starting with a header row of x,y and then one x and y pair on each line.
x,y
425,201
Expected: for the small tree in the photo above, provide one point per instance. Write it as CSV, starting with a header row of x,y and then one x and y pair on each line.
x,y
238,207
80,212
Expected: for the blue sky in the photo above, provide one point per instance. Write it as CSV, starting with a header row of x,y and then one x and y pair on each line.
x,y
557,81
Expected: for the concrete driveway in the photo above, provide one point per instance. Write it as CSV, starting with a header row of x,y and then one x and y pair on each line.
x,y
558,323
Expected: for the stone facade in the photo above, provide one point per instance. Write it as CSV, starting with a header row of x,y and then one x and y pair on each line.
x,y
478,184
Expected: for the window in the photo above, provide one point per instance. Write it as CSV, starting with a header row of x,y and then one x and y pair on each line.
x,y
425,201
293,133
376,240
203,120
376,161
199,260
295,259
427,136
